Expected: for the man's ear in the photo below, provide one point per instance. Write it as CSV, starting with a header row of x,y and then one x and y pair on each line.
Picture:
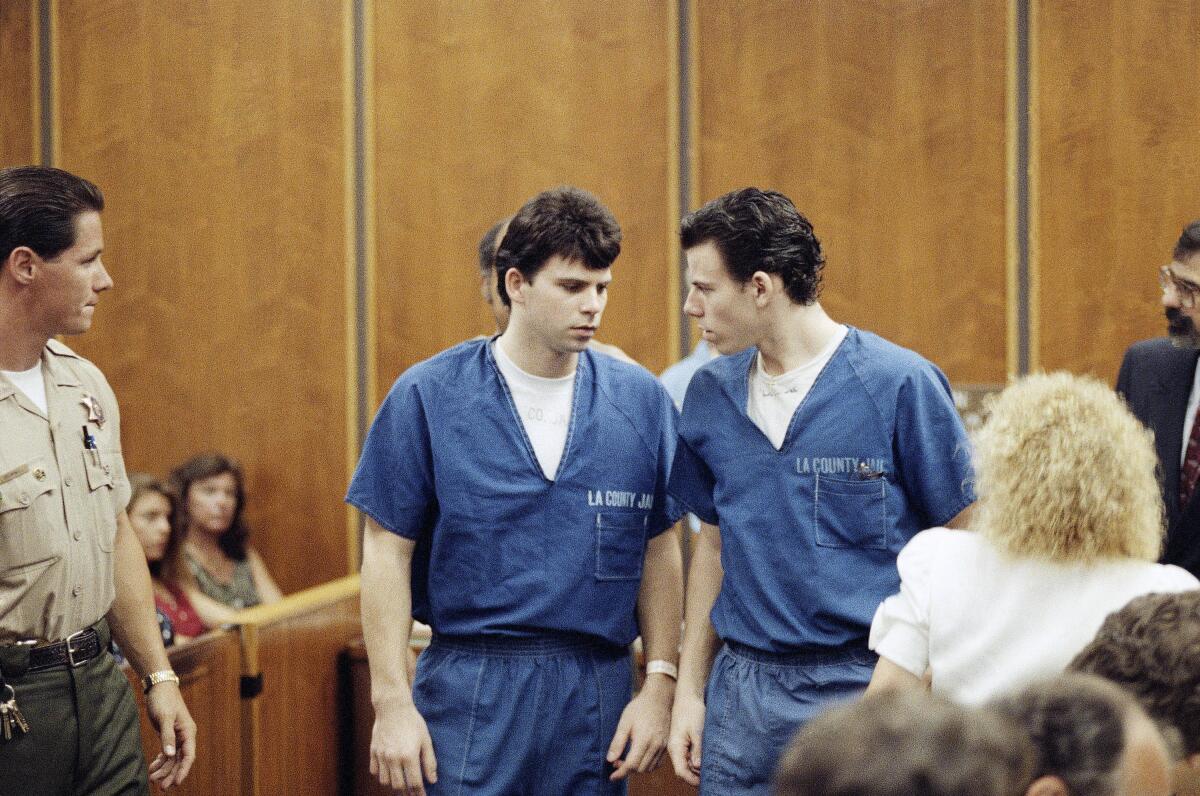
x,y
1192,760
20,264
762,286
514,283
1048,786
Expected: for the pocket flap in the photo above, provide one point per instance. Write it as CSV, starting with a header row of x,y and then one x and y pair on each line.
x,y
20,491
99,466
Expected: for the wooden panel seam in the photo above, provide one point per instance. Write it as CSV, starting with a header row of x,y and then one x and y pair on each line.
x,y
35,78
1033,287
55,153
350,252
674,178
1011,248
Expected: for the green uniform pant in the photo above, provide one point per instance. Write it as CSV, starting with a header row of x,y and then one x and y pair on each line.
x,y
84,736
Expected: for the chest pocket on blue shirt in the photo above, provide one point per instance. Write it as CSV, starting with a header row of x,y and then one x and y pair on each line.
x,y
620,545
850,512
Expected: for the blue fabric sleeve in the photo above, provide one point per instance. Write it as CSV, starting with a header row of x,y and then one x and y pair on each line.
x,y
692,483
393,483
666,510
932,448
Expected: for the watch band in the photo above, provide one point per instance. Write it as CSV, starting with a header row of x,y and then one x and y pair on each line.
x,y
662,667
162,676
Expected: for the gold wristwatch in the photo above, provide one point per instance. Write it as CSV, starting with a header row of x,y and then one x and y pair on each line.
x,y
154,678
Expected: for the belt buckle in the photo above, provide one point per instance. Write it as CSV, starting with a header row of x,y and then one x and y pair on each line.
x,y
71,652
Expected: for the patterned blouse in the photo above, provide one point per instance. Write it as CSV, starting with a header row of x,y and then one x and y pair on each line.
x,y
239,592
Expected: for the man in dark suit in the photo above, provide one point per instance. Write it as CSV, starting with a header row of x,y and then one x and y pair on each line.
x,y
1159,380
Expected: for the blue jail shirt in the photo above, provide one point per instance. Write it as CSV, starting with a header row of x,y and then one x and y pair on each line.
x,y
810,533
501,549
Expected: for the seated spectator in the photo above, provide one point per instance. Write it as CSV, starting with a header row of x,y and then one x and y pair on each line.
x,y
1151,648
1069,524
223,574
150,513
898,743
1091,738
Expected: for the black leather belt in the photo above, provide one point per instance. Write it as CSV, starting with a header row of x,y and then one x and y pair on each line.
x,y
75,650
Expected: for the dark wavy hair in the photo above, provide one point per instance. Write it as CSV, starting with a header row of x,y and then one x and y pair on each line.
x,y
756,230
565,221
1189,241
1151,647
168,567
487,248
233,541
38,207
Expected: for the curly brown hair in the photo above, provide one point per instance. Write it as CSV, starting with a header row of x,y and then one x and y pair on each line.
x,y
1151,647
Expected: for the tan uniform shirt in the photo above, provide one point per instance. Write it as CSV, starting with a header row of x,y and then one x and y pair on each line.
x,y
59,500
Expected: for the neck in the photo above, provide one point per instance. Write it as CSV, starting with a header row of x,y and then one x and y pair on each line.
x,y
20,345
532,356
203,543
794,335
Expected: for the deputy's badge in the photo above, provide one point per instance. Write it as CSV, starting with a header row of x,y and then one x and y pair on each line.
x,y
95,410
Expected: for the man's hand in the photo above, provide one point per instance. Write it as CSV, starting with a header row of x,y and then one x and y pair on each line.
x,y
687,728
643,729
401,750
176,730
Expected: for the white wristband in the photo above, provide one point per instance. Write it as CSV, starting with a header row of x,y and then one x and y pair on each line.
x,y
662,667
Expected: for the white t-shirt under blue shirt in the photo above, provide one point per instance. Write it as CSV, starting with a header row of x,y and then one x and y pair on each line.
x,y
544,405
774,399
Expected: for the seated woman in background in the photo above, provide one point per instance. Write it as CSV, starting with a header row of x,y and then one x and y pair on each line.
x,y
1070,523
149,511
223,574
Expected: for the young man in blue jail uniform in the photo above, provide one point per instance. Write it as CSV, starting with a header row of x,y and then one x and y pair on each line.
x,y
515,494
812,452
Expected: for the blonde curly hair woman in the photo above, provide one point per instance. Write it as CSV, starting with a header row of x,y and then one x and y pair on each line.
x,y
1069,525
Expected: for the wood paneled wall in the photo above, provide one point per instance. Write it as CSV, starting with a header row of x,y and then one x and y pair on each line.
x,y
885,124
216,133
1117,121
17,83
480,105
222,137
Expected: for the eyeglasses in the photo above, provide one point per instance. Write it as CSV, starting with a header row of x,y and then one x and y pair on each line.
x,y
1187,292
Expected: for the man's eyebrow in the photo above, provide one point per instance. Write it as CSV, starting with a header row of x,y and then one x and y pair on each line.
x,y
1185,280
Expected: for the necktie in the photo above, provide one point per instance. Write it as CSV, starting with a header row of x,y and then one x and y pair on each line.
x,y
1190,471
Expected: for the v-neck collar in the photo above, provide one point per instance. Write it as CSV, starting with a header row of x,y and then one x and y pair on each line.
x,y
740,392
583,363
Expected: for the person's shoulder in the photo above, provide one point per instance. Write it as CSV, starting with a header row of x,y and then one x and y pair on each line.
x,y
80,365
942,540
1174,577
611,351
725,369
871,350
450,364
1156,348
623,377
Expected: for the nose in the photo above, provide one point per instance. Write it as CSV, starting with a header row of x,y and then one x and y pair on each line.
x,y
104,282
593,302
1170,296
691,306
